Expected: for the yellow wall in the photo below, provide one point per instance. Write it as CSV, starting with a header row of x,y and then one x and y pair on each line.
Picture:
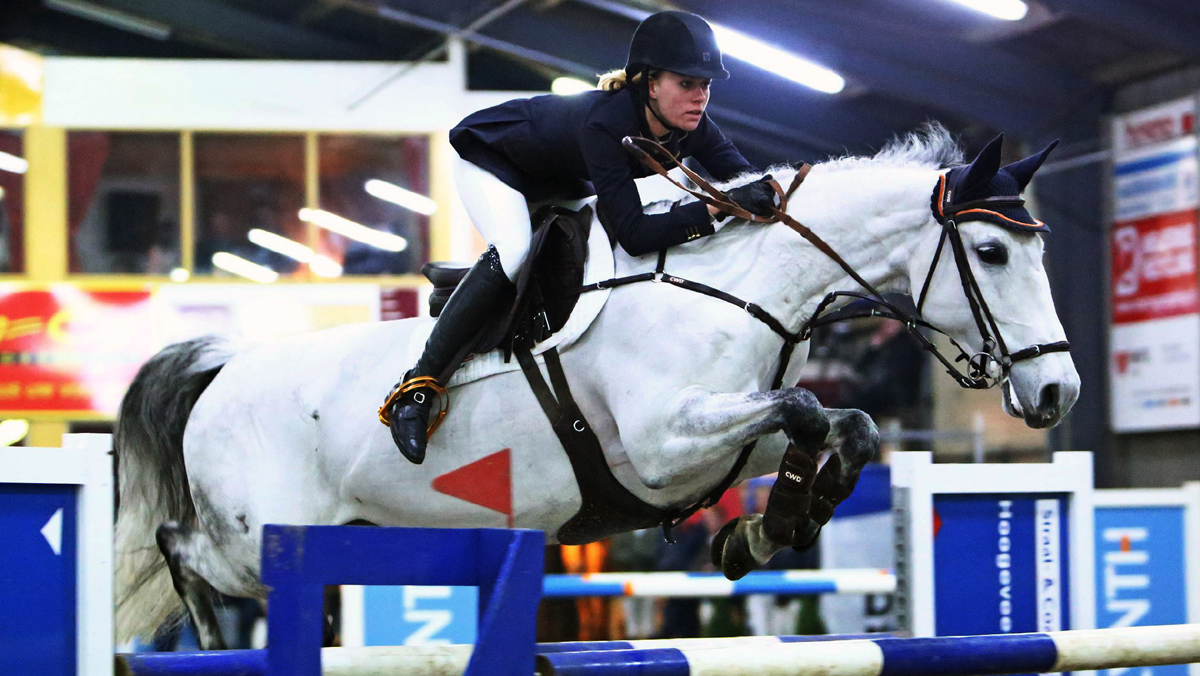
x,y
46,237
20,87
46,204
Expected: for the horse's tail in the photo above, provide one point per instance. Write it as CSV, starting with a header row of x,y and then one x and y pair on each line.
x,y
151,479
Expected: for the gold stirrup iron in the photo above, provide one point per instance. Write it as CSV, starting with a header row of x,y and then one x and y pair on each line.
x,y
412,384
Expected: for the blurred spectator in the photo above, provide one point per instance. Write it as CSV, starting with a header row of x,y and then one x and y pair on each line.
x,y
890,376
691,552
5,258
557,619
636,551
594,615
777,615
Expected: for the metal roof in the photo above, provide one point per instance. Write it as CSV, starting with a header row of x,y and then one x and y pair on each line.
x,y
905,61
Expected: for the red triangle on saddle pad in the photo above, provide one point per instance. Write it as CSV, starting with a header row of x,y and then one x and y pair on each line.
x,y
487,482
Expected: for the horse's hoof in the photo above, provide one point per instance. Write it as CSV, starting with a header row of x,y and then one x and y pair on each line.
x,y
736,559
718,543
806,537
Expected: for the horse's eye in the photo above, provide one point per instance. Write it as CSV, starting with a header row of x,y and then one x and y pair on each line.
x,y
993,254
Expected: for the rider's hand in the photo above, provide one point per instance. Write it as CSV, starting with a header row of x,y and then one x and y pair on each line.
x,y
758,198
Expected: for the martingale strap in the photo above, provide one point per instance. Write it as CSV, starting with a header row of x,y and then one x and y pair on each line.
x,y
790,340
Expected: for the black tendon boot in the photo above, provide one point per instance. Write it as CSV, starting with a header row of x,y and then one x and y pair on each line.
x,y
476,300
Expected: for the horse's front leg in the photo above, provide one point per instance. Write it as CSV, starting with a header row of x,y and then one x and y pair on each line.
x,y
705,427
803,499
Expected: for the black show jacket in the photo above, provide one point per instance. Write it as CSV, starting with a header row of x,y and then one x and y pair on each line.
x,y
569,147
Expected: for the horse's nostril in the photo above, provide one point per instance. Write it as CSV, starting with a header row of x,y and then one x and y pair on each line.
x,y
1049,399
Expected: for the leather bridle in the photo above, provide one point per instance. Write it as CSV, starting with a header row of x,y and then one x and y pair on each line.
x,y
979,373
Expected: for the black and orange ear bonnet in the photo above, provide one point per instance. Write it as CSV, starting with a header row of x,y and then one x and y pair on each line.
x,y
985,191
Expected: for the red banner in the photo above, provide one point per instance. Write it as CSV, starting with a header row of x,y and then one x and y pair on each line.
x,y
71,351
1154,264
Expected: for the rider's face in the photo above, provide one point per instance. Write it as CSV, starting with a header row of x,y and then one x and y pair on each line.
x,y
680,99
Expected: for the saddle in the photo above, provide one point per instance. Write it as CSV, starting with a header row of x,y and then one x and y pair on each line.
x,y
547,286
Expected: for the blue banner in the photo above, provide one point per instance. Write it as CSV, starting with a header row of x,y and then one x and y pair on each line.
x,y
413,615
1141,571
1000,564
38,580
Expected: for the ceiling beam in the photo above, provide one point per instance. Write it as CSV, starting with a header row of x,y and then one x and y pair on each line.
x,y
973,81
1173,30
244,30
806,140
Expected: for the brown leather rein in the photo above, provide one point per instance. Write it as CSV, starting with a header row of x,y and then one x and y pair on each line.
x,y
641,148
978,376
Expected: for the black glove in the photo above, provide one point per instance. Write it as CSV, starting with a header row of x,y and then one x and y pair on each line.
x,y
758,198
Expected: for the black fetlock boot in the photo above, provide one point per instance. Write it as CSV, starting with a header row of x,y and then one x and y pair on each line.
x,y
790,500
476,300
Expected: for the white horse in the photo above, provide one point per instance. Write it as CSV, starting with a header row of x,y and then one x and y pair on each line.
x,y
213,443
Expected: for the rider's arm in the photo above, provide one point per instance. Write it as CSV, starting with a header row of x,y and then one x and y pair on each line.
x,y
620,206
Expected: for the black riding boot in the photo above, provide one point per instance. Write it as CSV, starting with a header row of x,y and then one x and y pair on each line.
x,y
476,300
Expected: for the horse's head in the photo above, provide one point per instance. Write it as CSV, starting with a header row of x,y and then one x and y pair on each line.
x,y
988,289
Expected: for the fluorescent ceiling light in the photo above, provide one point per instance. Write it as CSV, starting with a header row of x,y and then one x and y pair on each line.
x,y
281,245
356,231
244,268
1009,10
17,165
390,192
12,431
775,60
324,266
566,86
112,17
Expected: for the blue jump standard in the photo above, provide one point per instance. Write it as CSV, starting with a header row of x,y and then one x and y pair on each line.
x,y
506,565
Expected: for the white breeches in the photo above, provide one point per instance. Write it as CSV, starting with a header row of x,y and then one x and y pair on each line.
x,y
499,212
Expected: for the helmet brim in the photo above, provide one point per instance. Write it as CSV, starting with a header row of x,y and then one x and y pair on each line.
x,y
717,73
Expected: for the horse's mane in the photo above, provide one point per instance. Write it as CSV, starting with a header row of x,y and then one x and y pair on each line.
x,y
930,146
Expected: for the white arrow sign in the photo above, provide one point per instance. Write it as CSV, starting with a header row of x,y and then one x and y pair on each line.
x,y
52,531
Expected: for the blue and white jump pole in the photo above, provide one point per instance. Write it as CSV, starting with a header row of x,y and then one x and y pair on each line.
x,y
1077,650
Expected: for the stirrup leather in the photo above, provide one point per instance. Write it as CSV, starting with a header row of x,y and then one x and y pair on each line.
x,y
413,384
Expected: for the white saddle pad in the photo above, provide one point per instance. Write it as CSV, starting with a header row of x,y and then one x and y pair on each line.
x,y
599,267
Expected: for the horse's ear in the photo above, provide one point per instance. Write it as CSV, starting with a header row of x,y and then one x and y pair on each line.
x,y
983,168
1023,170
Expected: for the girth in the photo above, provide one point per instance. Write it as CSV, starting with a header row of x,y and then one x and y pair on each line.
x,y
608,507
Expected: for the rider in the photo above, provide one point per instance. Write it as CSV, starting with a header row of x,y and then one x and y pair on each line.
x,y
565,148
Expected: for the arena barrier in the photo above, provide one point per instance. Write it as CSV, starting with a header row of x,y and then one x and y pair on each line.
x,y
848,581
60,511
56,562
791,656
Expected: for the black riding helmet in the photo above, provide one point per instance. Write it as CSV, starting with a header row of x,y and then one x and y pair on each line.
x,y
680,42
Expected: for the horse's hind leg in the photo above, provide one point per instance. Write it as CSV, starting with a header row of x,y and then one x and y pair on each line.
x,y
183,548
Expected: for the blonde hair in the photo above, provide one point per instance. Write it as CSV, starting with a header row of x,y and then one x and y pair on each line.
x,y
617,79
